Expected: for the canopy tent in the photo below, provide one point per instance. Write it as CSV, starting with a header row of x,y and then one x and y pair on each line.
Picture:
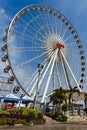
x,y
11,97
27,98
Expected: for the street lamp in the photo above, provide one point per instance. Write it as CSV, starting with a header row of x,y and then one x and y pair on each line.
x,y
40,67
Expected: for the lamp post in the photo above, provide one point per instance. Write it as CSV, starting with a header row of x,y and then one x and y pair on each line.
x,y
40,67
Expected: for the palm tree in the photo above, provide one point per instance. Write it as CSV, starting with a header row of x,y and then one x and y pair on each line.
x,y
70,92
58,98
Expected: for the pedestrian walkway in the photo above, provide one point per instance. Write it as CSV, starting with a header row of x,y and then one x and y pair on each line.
x,y
77,118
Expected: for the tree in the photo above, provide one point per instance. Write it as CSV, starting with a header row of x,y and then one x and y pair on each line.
x,y
58,98
70,92
64,107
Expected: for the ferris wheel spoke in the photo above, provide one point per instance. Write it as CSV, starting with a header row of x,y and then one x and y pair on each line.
x,y
30,60
21,50
44,20
32,27
49,19
64,33
53,25
25,49
55,21
69,52
70,71
41,21
59,28
26,37
44,24
38,22
32,84
30,79
20,72
33,87
46,60
47,24
70,44
70,56
67,38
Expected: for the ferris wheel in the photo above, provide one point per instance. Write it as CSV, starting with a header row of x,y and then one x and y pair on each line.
x,y
42,52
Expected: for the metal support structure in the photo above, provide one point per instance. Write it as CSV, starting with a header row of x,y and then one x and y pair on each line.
x,y
40,67
71,72
47,84
65,73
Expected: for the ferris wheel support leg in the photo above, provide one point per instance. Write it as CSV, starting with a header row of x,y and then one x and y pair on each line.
x,y
45,72
65,74
59,81
42,78
44,95
53,81
71,72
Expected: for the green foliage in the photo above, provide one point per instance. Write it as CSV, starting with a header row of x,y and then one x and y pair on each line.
x,y
11,121
64,107
3,121
57,116
39,116
4,111
21,121
59,96
29,115
62,118
47,109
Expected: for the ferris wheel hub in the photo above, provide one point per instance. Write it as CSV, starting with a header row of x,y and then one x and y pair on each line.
x,y
59,45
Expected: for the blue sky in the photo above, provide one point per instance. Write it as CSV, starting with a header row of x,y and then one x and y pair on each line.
x,y
74,10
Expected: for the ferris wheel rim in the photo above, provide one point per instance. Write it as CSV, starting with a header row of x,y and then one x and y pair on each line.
x,y
55,11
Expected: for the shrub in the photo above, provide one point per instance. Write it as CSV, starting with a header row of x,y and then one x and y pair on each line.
x,y
3,121
62,118
31,116
4,111
21,121
39,116
22,115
